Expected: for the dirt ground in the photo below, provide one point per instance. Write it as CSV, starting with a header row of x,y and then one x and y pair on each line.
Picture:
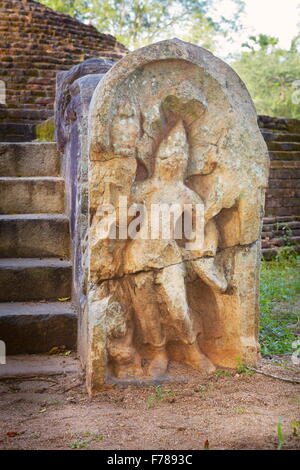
x,y
227,410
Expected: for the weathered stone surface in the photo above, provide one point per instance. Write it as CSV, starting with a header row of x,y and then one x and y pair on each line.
x,y
74,91
29,328
32,195
172,123
24,279
29,159
39,365
34,236
16,132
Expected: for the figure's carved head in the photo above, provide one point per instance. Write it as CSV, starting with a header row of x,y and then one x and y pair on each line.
x,y
158,123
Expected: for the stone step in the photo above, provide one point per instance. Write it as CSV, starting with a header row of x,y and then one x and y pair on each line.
x,y
281,183
290,125
30,328
283,192
40,365
31,279
275,226
285,164
16,132
285,156
284,202
24,116
282,211
34,236
285,173
280,242
29,159
284,146
280,137
286,218
280,233
270,253
34,195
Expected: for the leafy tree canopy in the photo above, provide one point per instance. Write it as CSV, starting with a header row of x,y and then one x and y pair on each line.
x,y
272,75
139,22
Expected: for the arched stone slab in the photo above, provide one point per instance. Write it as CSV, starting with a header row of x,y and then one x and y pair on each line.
x,y
172,123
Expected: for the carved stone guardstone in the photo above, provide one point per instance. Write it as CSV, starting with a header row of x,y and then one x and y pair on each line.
x,y
171,123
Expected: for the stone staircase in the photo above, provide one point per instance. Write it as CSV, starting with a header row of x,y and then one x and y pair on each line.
x,y
16,132
35,270
278,232
282,222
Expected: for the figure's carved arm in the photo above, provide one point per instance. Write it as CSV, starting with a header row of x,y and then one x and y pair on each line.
x,y
211,274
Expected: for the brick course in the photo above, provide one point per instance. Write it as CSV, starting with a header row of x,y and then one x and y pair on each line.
x,y
282,136
35,43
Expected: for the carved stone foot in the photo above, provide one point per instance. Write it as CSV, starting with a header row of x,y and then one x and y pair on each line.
x,y
129,371
126,362
195,358
159,364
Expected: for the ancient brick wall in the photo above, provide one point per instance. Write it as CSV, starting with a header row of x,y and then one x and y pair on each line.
x,y
36,43
282,209
282,136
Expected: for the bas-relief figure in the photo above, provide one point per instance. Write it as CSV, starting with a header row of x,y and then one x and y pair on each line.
x,y
170,123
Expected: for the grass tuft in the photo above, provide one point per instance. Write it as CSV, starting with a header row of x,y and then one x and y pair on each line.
x,y
279,304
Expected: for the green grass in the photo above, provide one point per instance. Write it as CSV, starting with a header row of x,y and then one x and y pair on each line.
x,y
159,395
281,440
279,304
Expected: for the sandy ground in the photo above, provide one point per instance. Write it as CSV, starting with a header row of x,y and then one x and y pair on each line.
x,y
229,410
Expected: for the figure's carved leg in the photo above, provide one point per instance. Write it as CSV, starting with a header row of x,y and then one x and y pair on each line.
x,y
159,364
147,312
172,293
125,358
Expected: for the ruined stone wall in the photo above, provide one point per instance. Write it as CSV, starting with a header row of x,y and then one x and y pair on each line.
x,y
282,136
282,209
35,43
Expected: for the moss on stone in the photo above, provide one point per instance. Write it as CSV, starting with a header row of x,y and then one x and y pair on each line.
x,y
45,132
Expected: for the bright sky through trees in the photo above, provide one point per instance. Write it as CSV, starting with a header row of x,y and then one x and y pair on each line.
x,y
259,38
272,17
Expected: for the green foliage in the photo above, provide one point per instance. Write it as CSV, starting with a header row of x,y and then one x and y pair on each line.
x,y
279,287
139,22
79,444
286,253
260,42
159,396
45,132
242,369
271,75
281,440
206,388
81,441
240,411
76,8
295,426
222,373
